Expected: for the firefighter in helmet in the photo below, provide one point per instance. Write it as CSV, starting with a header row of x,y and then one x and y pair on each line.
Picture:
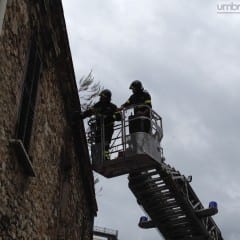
x,y
106,113
139,98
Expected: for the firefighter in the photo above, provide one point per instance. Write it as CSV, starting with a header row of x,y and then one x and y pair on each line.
x,y
106,111
139,98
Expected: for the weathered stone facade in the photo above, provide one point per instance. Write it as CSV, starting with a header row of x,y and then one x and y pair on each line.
x,y
59,202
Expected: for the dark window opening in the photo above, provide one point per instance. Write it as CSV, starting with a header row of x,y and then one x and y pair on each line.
x,y
27,109
29,94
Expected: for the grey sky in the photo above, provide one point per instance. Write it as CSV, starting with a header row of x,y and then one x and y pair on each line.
x,y
187,57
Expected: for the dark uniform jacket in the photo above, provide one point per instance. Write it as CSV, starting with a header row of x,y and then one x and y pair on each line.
x,y
107,110
139,98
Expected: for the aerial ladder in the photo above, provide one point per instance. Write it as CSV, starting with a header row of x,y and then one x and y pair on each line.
x,y
163,192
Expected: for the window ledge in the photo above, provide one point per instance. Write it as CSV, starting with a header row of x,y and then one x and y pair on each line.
x,y
23,156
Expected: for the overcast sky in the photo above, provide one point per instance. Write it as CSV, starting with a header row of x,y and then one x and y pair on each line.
x,y
187,56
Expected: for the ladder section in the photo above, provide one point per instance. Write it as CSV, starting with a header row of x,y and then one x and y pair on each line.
x,y
172,205
164,193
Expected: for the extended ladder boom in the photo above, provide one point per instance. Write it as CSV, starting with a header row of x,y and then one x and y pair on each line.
x,y
163,192
174,208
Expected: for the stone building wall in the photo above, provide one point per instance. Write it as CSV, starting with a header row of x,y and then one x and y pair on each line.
x,y
59,202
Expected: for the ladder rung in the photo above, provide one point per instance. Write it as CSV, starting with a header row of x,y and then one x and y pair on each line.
x,y
148,181
134,176
151,190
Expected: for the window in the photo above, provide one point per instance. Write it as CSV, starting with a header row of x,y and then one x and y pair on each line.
x,y
29,93
27,107
3,4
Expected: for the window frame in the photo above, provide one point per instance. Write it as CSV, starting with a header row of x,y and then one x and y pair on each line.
x,y
29,95
27,107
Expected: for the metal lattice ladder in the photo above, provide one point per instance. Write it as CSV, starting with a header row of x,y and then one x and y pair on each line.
x,y
172,205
